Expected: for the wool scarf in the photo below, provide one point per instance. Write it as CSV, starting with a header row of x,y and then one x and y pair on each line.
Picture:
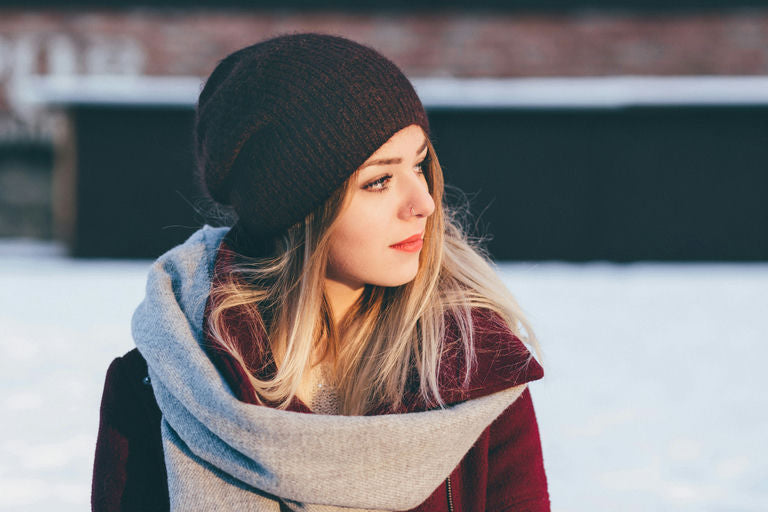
x,y
224,454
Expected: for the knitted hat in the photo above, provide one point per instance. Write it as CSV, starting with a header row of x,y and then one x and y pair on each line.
x,y
283,123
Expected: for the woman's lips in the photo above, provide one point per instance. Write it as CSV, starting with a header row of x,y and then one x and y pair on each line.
x,y
411,244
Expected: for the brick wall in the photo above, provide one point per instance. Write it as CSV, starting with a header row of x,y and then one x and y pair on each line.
x,y
460,44
464,44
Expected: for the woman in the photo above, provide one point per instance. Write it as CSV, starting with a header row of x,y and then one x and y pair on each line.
x,y
280,363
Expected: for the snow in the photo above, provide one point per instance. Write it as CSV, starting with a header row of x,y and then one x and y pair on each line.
x,y
653,399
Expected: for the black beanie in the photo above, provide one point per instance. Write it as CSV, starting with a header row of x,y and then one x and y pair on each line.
x,y
283,123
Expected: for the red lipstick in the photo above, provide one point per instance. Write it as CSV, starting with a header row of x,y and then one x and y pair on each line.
x,y
410,244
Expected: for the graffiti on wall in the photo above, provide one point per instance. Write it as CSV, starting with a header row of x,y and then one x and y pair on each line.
x,y
58,54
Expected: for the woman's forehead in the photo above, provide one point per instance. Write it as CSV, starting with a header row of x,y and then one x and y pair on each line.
x,y
408,142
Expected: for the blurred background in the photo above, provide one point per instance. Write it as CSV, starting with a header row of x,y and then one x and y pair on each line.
x,y
614,154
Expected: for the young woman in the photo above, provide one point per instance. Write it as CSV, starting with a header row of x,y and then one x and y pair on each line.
x,y
343,346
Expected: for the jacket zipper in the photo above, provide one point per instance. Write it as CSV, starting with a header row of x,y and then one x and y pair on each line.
x,y
450,498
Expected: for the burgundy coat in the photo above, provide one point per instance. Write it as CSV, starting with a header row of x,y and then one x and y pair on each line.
x,y
503,471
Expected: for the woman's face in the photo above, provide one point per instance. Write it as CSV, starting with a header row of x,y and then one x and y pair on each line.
x,y
389,203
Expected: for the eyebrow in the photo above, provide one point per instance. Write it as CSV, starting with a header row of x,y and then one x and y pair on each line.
x,y
391,161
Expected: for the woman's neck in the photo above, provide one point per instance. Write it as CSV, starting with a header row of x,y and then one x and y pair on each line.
x,y
340,297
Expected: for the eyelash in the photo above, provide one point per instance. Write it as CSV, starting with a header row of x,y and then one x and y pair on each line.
x,y
384,179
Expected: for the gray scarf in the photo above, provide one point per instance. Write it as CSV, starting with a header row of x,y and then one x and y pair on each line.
x,y
224,454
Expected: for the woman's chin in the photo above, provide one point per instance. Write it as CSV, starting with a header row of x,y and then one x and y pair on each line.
x,y
393,281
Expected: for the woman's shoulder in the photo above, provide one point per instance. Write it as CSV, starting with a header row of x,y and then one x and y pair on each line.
x,y
127,386
129,370
128,469
501,360
131,362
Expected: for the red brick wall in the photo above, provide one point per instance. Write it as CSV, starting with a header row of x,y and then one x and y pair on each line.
x,y
185,42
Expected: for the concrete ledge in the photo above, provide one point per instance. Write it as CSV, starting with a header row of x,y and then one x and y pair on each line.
x,y
553,92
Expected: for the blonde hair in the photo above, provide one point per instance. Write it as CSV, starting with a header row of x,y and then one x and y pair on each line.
x,y
388,331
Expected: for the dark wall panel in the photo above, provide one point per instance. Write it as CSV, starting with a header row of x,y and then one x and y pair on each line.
x,y
667,184
627,184
134,182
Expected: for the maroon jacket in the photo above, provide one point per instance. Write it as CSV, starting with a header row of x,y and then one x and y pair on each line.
x,y
503,471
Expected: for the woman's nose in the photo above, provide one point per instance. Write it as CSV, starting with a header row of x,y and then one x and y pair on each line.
x,y
419,202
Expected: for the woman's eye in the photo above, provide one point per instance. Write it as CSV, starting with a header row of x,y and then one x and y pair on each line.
x,y
423,164
378,185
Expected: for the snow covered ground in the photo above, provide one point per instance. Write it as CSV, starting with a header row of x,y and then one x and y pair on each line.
x,y
654,397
